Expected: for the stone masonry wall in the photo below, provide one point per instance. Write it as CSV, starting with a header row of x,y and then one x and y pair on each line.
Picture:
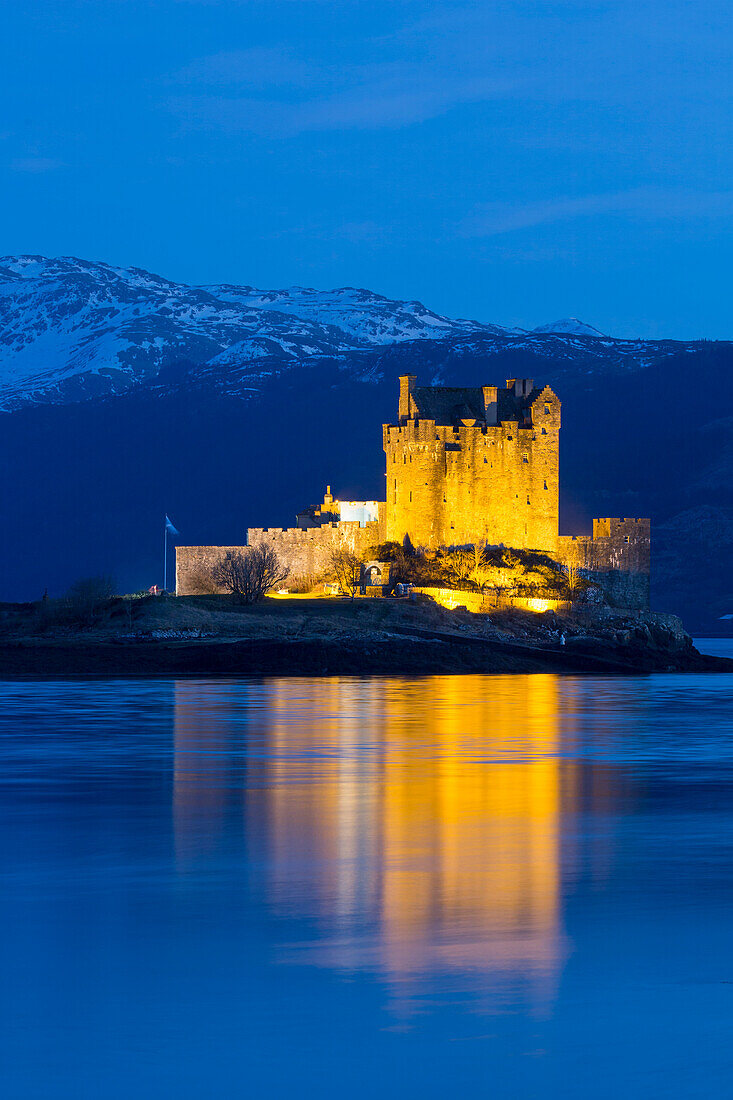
x,y
193,568
307,552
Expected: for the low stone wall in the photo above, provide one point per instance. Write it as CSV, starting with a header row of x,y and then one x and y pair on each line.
x,y
194,565
307,552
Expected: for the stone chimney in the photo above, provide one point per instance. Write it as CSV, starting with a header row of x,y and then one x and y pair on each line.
x,y
407,385
522,387
491,408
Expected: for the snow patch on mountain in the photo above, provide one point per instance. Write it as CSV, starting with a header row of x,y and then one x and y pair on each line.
x,y
368,318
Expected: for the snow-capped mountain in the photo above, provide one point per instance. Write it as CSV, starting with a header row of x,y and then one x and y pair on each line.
x,y
72,330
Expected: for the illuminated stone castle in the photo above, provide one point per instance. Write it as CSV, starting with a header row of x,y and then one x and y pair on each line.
x,y
471,465
463,466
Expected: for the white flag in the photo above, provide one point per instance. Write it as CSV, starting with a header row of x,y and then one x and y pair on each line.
x,y
170,528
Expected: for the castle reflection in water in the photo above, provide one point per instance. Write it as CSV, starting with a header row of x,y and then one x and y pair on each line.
x,y
413,825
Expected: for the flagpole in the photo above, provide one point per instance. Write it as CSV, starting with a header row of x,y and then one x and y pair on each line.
x,y
165,555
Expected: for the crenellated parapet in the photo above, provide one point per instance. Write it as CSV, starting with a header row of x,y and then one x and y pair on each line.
x,y
307,552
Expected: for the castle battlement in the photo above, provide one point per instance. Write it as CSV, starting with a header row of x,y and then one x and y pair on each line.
x,y
620,527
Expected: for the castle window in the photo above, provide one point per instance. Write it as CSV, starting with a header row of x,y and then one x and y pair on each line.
x,y
544,431
410,496
525,457
527,500
627,538
547,410
545,484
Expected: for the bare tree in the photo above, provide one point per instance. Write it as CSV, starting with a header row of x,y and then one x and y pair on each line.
x,y
249,574
572,572
347,570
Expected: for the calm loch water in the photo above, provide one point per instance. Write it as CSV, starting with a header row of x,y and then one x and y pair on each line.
x,y
501,886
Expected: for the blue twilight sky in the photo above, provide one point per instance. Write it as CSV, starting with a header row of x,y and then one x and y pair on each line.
x,y
511,160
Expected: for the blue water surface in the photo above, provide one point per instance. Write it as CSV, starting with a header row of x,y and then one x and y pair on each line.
x,y
500,886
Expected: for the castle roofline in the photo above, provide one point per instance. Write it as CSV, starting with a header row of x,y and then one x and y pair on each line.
x,y
453,406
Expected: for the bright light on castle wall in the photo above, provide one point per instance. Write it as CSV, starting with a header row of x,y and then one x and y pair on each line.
x,y
533,603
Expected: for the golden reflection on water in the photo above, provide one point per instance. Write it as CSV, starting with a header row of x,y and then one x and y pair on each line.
x,y
418,822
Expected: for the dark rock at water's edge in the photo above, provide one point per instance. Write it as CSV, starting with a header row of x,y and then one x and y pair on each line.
x,y
257,659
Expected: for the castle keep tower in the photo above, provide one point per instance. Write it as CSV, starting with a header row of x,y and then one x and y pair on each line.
x,y
472,464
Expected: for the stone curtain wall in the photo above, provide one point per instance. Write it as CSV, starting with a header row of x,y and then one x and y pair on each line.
x,y
451,486
617,557
194,565
308,552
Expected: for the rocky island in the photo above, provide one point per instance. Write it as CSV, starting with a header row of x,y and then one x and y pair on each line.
x,y
200,636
